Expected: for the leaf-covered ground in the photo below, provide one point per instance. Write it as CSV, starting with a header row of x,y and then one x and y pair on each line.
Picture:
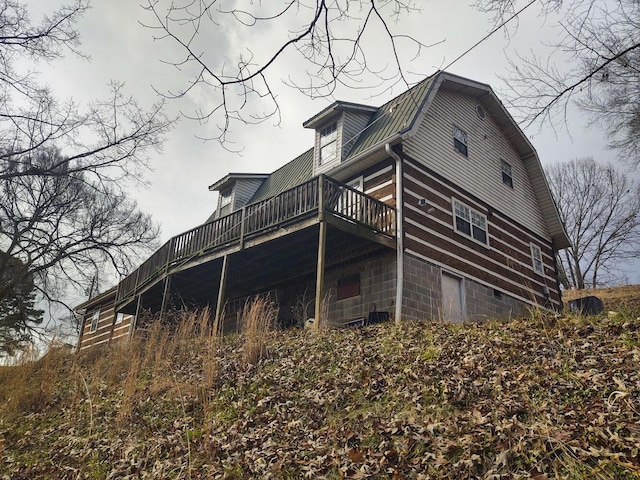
x,y
534,398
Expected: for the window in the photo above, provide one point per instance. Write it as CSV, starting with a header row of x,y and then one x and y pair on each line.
x,y
119,318
507,178
225,197
460,140
328,142
470,223
536,256
94,321
349,287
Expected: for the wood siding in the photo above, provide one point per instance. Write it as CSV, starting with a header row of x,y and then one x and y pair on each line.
x,y
505,264
108,331
479,172
244,190
352,125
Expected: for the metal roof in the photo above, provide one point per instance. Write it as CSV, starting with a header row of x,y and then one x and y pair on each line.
x,y
398,119
297,171
393,117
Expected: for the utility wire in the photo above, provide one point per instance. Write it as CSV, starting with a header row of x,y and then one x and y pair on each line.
x,y
454,61
486,37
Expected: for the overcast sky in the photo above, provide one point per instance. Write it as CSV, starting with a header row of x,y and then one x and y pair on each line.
x,y
122,49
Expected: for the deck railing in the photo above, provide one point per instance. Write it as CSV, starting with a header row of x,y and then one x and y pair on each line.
x,y
294,204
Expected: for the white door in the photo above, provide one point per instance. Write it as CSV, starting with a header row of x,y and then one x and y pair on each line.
x,y
452,309
349,202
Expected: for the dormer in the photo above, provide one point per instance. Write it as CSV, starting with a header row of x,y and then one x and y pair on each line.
x,y
337,130
235,190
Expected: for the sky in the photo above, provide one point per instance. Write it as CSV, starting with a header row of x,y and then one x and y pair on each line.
x,y
122,49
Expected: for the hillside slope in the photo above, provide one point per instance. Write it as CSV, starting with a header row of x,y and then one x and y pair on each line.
x,y
533,398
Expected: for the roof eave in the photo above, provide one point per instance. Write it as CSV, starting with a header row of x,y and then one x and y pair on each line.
x,y
97,300
336,107
231,177
342,171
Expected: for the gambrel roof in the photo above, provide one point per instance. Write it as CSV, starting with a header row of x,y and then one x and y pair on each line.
x,y
398,120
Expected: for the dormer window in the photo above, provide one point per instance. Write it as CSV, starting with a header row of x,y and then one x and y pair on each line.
x,y
225,197
328,142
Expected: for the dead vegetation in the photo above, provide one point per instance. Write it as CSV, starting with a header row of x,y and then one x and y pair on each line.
x,y
539,397
624,298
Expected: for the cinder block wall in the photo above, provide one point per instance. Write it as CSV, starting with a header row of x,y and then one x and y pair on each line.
x,y
422,296
377,289
422,292
485,303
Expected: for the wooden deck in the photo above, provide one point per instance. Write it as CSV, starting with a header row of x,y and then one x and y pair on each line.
x,y
314,198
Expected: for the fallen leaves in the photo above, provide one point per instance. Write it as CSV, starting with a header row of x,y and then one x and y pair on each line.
x,y
522,399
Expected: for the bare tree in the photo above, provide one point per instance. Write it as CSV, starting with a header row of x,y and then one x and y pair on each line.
x,y
329,41
65,169
594,65
600,207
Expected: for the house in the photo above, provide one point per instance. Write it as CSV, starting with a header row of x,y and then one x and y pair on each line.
x,y
101,324
434,205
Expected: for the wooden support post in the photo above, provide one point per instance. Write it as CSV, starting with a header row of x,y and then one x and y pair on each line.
x,y
322,238
221,289
165,296
321,193
134,320
169,255
243,220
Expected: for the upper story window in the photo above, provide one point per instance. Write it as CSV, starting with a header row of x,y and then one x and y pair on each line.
x,y
225,197
460,140
94,320
507,177
469,222
328,142
536,257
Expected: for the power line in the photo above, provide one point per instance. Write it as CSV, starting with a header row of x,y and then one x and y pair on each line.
x,y
459,57
486,37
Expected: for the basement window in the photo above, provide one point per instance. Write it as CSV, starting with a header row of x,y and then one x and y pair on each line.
x,y
470,222
536,257
507,177
349,287
328,142
94,321
460,140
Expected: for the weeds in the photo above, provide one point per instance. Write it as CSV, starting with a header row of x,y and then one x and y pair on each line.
x,y
257,319
535,397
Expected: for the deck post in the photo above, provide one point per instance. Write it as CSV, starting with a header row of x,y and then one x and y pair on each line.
x,y
169,255
322,240
165,295
134,320
221,289
243,219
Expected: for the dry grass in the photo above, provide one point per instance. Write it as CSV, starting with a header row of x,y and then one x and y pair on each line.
x,y
625,298
541,397
257,320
